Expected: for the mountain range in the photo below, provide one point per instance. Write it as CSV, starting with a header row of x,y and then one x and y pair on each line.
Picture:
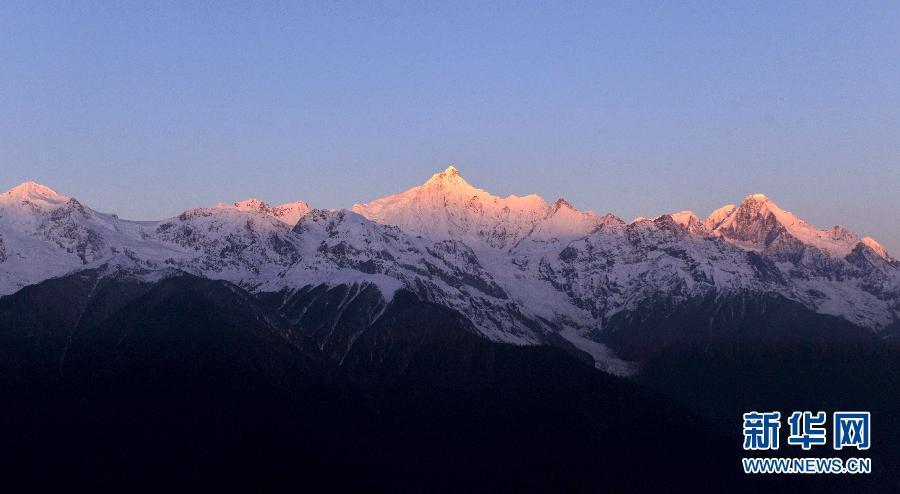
x,y
442,339
521,270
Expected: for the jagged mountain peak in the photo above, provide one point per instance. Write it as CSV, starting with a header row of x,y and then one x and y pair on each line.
x,y
689,220
759,202
755,211
252,204
450,182
760,223
564,221
448,178
446,207
716,217
685,216
757,197
686,219
610,221
289,213
561,203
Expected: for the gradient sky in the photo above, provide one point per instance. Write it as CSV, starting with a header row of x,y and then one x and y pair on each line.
x,y
149,108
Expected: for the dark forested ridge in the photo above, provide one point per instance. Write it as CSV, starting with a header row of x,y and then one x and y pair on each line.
x,y
113,384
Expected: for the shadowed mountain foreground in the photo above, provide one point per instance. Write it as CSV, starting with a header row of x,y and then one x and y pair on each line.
x,y
187,384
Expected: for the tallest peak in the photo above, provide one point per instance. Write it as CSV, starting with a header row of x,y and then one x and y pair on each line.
x,y
450,175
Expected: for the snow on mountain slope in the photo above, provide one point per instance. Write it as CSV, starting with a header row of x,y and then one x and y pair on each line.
x,y
610,273
562,221
446,207
689,221
716,217
34,196
876,247
342,246
46,234
760,223
606,273
289,213
244,247
562,224
674,253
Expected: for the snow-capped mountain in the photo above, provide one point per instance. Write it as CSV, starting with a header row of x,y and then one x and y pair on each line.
x,y
520,270
758,223
446,207
690,221
243,246
562,221
46,234
716,217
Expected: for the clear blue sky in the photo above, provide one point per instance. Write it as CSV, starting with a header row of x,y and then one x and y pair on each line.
x,y
149,108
